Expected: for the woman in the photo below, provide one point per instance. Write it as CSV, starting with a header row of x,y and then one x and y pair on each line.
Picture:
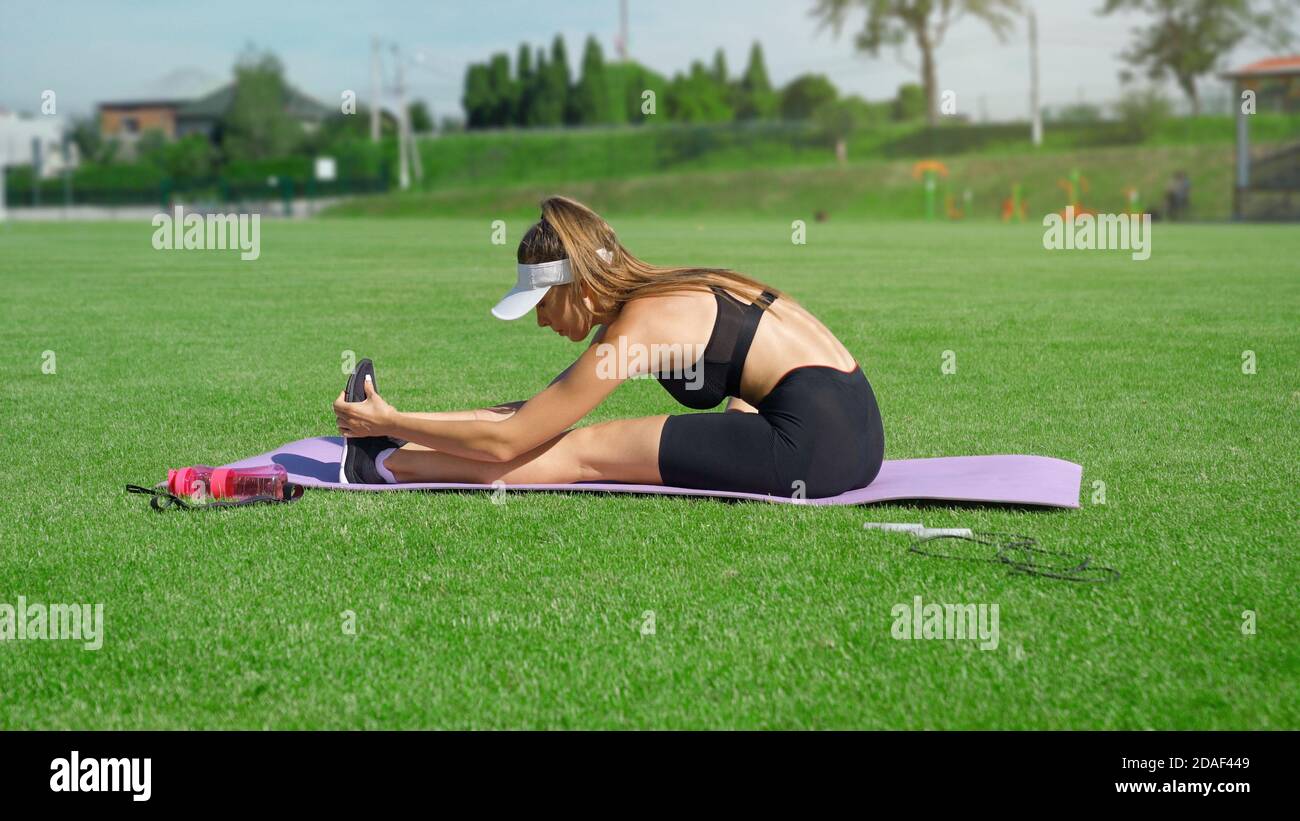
x,y
801,419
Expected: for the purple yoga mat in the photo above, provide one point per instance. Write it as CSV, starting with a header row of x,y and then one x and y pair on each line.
x,y
1015,480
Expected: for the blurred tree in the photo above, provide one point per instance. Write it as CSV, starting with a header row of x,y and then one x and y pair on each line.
x,y
551,93
110,152
719,70
501,91
559,88
755,99
838,119
418,113
85,135
628,80
477,98
1073,114
343,127
524,79
805,94
591,99
696,98
188,158
892,22
537,110
1142,112
257,126
909,104
1188,38
149,147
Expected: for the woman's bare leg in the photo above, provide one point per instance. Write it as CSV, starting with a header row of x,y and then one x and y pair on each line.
x,y
623,450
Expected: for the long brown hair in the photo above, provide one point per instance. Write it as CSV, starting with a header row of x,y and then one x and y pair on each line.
x,y
570,229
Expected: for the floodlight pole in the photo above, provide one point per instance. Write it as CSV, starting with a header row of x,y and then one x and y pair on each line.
x,y
417,165
1035,113
413,148
374,89
1243,156
622,30
403,160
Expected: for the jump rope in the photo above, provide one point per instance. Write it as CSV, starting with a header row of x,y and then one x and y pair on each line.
x,y
1019,553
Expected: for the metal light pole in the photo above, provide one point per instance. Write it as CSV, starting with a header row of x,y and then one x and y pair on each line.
x,y
374,89
622,30
403,150
1035,113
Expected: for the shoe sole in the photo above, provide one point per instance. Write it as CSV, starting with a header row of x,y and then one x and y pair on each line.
x,y
354,392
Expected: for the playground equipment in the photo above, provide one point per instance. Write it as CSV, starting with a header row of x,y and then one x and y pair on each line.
x,y
1015,208
1133,200
929,171
1074,186
1267,187
956,212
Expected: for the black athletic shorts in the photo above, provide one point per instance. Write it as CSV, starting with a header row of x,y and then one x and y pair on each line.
x,y
818,433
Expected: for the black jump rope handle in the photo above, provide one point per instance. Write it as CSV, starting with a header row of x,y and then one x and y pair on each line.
x,y
162,500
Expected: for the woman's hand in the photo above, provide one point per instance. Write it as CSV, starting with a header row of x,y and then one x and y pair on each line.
x,y
373,417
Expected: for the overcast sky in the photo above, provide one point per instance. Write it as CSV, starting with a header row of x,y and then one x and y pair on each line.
x,y
89,51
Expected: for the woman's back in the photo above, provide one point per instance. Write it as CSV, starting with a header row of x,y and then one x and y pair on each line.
x,y
787,336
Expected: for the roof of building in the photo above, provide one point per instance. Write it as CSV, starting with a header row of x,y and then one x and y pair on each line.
x,y
129,104
1268,67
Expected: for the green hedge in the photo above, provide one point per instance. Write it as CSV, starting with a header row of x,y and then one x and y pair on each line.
x,y
116,184
528,156
363,167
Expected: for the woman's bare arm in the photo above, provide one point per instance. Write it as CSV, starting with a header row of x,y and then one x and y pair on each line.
x,y
496,413
582,387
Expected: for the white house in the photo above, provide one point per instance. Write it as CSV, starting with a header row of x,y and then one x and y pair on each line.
x,y
26,140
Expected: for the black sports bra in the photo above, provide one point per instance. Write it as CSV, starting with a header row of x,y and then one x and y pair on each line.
x,y
724,356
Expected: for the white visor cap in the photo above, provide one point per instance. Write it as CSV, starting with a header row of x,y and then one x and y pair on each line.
x,y
532,284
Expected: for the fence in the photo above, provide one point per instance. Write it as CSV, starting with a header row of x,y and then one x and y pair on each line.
x,y
22,190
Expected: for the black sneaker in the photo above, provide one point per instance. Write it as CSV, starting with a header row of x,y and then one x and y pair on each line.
x,y
358,463
356,391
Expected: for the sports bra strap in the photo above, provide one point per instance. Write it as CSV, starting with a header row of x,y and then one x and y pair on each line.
x,y
764,299
744,336
725,354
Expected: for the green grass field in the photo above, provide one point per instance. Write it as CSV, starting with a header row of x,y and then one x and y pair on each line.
x,y
528,614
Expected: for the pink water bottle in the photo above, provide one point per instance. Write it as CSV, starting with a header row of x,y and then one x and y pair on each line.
x,y
194,481
237,484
